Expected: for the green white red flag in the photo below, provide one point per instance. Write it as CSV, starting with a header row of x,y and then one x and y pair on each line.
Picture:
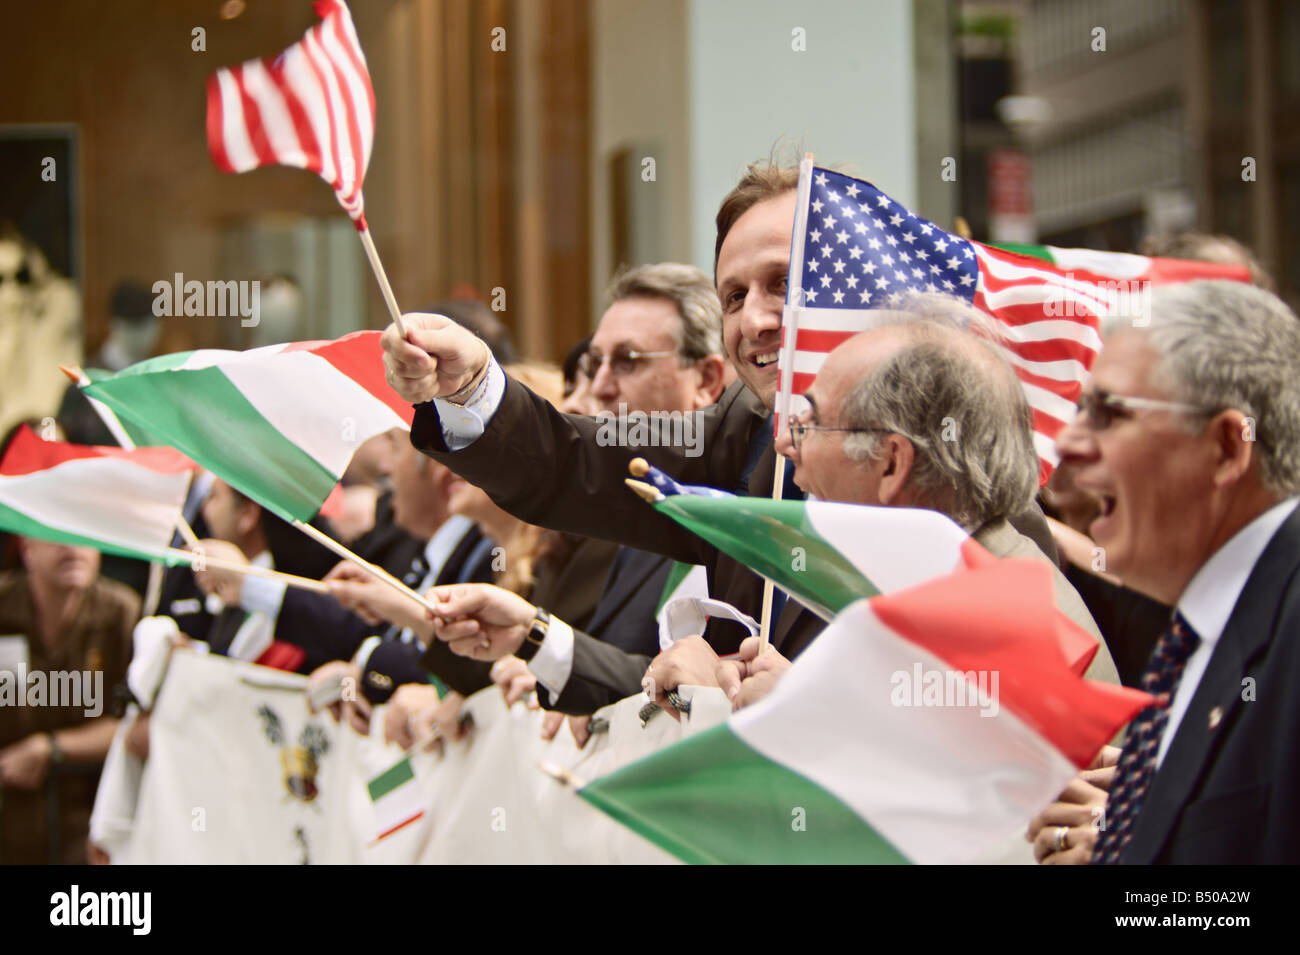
x,y
117,501
279,423
923,726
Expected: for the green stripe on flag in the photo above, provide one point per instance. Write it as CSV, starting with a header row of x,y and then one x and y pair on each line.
x,y
1033,251
713,799
142,437
775,539
202,413
675,578
390,779
15,522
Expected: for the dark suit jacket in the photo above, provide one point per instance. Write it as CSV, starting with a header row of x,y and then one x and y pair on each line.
x,y
1229,785
611,657
569,588
548,468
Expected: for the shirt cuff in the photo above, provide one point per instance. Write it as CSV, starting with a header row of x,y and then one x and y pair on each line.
x,y
462,425
362,656
262,594
553,661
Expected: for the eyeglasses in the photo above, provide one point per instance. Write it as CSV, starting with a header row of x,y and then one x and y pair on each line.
x,y
622,363
797,429
1101,407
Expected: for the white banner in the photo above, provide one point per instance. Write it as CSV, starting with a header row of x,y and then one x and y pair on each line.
x,y
240,772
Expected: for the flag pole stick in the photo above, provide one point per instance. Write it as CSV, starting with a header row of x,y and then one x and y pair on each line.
x,y
374,570
790,329
381,277
114,425
252,570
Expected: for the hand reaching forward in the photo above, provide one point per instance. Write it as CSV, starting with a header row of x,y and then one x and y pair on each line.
x,y
437,357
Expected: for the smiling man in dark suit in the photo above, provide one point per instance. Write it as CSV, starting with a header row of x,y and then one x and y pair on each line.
x,y
1189,439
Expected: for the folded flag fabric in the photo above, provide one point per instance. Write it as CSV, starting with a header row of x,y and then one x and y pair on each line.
x,y
856,252
396,799
311,107
120,502
279,423
923,726
828,555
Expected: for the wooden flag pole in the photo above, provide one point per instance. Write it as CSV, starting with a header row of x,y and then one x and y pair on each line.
x,y
789,332
252,570
374,570
381,277
114,425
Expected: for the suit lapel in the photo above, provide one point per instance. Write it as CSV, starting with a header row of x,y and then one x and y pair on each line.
x,y
1247,634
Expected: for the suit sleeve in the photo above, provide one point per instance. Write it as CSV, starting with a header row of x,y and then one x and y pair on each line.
x,y
566,472
323,629
602,674
462,674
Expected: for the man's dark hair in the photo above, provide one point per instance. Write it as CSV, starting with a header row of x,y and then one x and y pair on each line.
x,y
763,180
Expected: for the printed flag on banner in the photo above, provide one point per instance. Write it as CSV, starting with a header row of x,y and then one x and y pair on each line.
x,y
311,107
925,726
829,555
117,501
855,251
279,423
396,799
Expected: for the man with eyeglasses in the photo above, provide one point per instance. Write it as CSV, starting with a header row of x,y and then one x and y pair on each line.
x,y
657,349
1188,437
554,471
919,412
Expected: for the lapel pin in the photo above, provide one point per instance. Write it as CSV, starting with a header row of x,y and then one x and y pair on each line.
x,y
1216,717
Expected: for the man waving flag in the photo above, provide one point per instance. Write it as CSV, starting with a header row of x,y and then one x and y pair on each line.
x,y
856,251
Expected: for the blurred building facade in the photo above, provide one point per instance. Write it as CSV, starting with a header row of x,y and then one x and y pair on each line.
x,y
1144,117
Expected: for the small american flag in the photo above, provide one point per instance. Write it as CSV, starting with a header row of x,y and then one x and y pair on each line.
x,y
311,107
861,252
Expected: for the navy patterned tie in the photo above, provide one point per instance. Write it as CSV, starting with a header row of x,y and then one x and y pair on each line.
x,y
1137,762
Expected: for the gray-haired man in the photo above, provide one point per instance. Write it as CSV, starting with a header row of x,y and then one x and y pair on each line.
x,y
919,412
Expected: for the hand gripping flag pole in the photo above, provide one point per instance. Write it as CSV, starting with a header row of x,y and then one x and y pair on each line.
x,y
311,107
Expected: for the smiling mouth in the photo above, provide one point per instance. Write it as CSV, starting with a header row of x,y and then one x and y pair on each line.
x,y
763,361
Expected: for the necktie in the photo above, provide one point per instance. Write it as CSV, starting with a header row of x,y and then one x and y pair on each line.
x,y
1137,762
417,579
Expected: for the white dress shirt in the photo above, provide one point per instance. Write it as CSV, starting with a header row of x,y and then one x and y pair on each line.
x,y
1208,601
462,425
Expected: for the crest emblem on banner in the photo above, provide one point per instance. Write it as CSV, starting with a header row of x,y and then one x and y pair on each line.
x,y
300,763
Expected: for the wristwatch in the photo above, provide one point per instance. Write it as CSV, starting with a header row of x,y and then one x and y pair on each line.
x,y
535,636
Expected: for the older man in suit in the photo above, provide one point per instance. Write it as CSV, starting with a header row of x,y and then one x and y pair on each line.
x,y
1189,439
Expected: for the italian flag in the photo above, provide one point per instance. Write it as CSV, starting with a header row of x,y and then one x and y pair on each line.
x,y
120,502
828,555
924,726
1091,265
396,799
825,554
279,423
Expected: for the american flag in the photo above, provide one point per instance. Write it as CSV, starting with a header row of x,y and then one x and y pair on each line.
x,y
311,107
862,251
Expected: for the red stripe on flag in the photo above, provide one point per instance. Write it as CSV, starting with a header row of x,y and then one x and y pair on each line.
x,y
361,357
216,121
266,156
1001,618
28,454
311,148
822,340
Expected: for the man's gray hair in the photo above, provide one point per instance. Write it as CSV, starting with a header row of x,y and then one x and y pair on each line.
x,y
1231,345
950,393
690,291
